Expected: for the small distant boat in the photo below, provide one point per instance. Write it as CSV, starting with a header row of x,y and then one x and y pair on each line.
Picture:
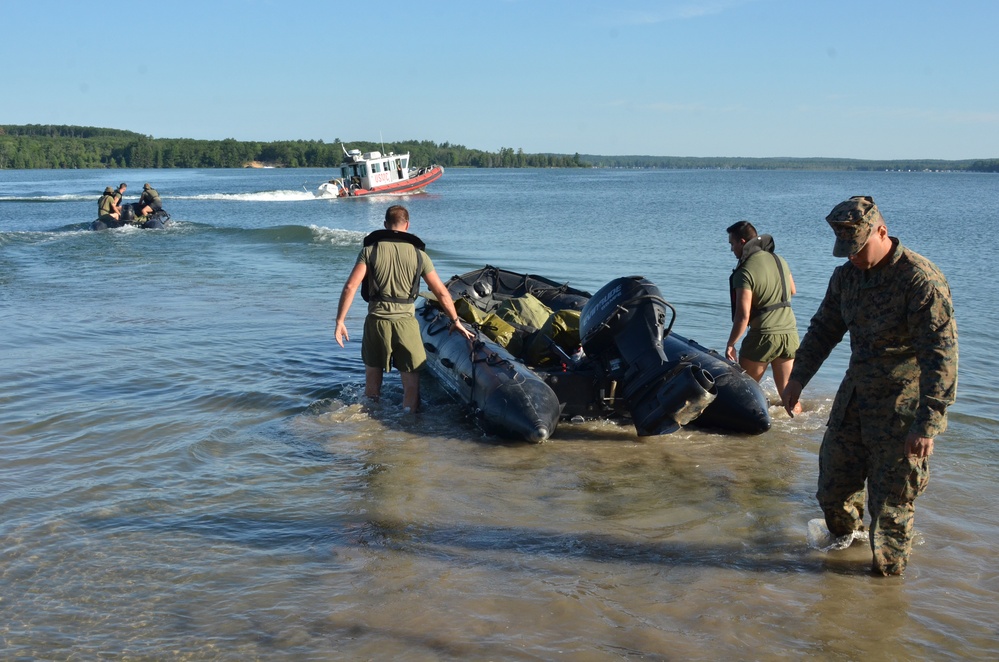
x,y
374,173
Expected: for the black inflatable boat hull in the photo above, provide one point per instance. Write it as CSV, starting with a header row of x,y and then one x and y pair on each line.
x,y
129,216
506,397
740,405
660,380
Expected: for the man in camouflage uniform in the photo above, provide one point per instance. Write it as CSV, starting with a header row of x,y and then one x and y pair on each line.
x,y
902,377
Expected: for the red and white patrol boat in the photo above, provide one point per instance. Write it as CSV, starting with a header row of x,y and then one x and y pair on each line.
x,y
374,173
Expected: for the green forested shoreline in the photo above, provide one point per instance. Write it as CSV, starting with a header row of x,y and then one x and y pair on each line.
x,y
46,146
36,146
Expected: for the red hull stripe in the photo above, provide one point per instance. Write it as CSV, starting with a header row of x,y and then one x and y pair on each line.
x,y
410,184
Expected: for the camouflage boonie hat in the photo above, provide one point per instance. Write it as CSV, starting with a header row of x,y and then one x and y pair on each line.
x,y
852,220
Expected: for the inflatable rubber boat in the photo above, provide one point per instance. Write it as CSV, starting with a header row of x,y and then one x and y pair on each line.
x,y
545,351
130,215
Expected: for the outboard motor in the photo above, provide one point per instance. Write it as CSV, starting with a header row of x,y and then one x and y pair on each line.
x,y
622,326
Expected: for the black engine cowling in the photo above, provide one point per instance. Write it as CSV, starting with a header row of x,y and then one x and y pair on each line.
x,y
622,326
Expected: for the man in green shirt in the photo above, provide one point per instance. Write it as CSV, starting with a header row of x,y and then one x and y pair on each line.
x,y
761,288
390,266
118,194
149,201
106,208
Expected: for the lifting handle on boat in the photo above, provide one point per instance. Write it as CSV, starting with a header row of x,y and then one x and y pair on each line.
x,y
434,327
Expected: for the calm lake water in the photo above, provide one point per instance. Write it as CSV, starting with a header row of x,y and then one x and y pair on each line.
x,y
189,469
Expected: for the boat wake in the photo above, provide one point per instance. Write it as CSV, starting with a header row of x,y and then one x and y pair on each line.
x,y
294,234
261,196
287,195
337,237
68,197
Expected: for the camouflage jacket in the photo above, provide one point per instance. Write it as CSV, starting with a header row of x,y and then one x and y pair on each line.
x,y
903,340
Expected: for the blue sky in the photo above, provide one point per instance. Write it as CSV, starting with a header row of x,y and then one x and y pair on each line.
x,y
875,79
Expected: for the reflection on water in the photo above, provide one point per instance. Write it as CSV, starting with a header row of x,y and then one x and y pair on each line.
x,y
190,469
348,529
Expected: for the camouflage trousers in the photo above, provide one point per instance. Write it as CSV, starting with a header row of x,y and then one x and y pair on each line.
x,y
871,447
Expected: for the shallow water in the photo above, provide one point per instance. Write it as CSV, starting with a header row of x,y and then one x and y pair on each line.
x,y
190,471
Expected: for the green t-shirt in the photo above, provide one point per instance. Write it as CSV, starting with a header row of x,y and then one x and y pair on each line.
x,y
150,196
393,273
105,205
758,274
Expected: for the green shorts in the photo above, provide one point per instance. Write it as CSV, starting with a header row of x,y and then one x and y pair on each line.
x,y
766,347
393,341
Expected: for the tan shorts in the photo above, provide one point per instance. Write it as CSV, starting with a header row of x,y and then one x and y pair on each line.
x,y
393,341
766,347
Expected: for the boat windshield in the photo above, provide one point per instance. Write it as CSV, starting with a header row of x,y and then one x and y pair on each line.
x,y
356,170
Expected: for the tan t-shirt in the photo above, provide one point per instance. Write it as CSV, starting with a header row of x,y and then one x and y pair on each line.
x,y
393,273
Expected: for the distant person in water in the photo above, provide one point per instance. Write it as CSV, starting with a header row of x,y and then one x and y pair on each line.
x,y
149,201
761,288
106,212
390,266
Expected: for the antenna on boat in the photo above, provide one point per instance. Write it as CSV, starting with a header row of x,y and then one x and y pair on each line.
x,y
382,141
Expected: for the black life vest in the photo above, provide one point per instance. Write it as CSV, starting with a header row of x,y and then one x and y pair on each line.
x,y
369,288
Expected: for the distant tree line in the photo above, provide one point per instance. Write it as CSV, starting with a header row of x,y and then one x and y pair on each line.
x,y
47,146
785,163
31,146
